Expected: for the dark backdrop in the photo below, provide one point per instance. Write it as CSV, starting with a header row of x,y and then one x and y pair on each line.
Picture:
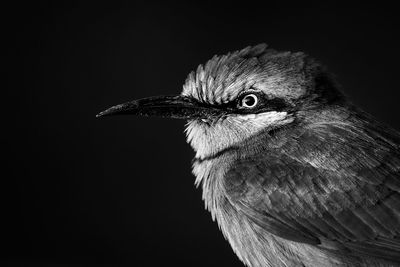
x,y
120,190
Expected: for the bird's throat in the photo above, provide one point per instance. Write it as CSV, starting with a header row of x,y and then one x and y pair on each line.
x,y
212,140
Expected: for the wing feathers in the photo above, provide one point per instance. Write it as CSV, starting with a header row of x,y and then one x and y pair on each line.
x,y
343,187
373,222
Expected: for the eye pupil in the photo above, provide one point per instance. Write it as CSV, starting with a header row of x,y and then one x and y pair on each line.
x,y
249,101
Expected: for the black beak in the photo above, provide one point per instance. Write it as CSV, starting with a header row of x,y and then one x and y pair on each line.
x,y
177,107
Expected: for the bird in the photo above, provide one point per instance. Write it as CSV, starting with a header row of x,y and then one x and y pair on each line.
x,y
291,170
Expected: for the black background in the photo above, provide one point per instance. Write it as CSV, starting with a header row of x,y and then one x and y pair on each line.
x,y
81,190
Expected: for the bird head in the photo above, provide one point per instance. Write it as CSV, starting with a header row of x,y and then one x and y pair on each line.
x,y
236,96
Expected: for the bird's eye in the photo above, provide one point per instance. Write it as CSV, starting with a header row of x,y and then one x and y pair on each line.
x,y
249,101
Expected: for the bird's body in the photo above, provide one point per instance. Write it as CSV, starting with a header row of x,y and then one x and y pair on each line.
x,y
324,195
292,172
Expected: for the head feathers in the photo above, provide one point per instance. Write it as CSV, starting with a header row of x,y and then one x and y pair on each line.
x,y
278,74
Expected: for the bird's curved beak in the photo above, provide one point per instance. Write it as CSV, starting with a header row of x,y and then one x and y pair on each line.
x,y
177,107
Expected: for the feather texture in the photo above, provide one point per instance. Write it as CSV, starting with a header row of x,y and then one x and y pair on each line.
x,y
306,179
331,186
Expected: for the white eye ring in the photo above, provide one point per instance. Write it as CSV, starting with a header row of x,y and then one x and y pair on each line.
x,y
249,101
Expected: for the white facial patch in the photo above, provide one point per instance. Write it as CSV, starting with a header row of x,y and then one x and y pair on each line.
x,y
208,140
265,118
